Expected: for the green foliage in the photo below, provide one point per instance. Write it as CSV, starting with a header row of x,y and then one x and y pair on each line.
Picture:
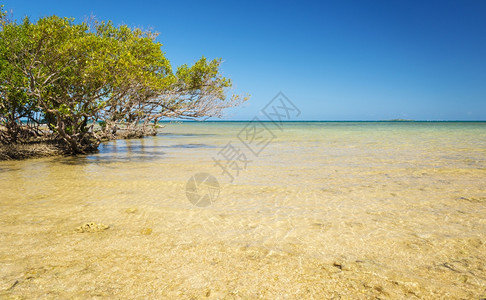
x,y
15,102
203,74
73,75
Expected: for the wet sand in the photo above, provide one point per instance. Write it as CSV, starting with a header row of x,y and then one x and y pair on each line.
x,y
326,210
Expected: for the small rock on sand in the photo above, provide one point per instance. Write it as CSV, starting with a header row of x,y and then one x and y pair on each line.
x,y
92,227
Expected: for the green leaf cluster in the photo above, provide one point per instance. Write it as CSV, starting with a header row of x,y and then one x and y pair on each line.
x,y
73,75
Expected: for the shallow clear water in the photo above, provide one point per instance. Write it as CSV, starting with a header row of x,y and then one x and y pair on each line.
x,y
351,209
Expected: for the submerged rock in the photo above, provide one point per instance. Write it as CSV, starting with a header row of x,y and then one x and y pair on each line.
x,y
146,231
131,210
92,227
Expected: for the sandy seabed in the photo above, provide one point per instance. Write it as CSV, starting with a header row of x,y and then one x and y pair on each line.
x,y
322,213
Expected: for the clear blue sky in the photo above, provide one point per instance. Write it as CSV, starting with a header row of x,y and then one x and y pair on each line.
x,y
336,60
